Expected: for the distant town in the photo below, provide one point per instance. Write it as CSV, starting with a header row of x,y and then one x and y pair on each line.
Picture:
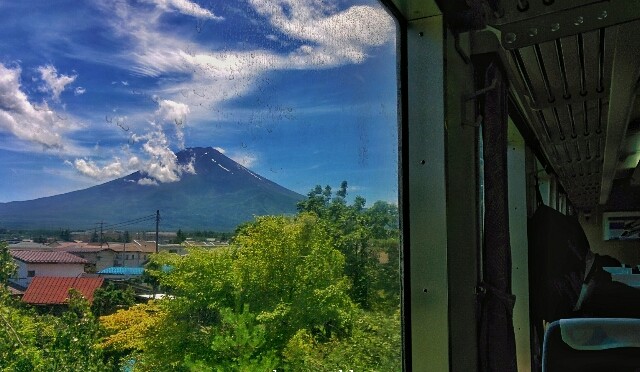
x,y
50,263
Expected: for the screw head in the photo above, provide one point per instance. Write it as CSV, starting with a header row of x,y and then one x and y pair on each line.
x,y
555,27
510,37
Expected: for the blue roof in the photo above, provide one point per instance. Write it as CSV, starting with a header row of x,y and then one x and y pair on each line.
x,y
122,271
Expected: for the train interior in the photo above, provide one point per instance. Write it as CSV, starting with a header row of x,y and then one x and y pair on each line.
x,y
520,184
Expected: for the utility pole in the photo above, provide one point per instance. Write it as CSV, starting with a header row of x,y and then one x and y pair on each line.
x,y
157,226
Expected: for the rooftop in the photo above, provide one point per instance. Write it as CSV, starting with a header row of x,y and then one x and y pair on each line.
x,y
134,246
122,271
45,290
28,245
47,257
85,249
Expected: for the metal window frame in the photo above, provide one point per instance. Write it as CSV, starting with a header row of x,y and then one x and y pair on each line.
x,y
437,162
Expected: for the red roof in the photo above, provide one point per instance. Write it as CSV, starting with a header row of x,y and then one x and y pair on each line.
x,y
47,257
45,290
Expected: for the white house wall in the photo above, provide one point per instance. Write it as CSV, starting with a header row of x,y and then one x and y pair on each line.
x,y
46,269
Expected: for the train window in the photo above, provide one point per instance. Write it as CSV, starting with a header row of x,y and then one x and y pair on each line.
x,y
260,135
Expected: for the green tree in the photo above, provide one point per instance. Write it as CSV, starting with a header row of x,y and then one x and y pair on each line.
x,y
94,237
108,299
284,294
355,230
238,307
7,266
47,343
65,235
375,345
180,237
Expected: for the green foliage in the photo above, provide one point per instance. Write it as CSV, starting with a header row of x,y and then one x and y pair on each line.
x,y
32,342
7,265
239,343
180,237
108,299
94,237
237,308
65,235
317,291
364,236
375,345
126,237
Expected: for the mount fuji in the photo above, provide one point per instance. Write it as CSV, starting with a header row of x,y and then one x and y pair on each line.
x,y
219,196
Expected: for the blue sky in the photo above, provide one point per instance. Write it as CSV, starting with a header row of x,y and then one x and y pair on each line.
x,y
302,92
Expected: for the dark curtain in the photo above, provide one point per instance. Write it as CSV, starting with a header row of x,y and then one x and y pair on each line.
x,y
497,338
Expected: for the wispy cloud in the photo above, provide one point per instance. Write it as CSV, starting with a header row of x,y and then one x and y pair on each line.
x,y
79,91
245,158
329,37
195,79
185,7
54,83
332,37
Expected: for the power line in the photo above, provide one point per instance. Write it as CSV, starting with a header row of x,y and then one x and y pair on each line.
x,y
124,223
130,222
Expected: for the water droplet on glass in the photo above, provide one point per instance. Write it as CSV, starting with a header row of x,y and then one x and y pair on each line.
x,y
510,37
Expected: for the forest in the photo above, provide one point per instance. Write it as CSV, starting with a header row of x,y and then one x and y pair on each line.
x,y
315,291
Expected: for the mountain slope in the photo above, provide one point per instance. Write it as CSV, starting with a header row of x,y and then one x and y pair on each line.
x,y
219,196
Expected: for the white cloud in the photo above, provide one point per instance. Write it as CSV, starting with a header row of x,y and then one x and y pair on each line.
x,y
176,114
111,169
90,169
207,77
27,121
185,7
54,83
330,38
172,111
245,159
79,90
162,163
334,38
147,182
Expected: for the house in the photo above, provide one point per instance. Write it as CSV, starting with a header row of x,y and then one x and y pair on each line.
x,y
45,263
45,290
134,254
99,258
